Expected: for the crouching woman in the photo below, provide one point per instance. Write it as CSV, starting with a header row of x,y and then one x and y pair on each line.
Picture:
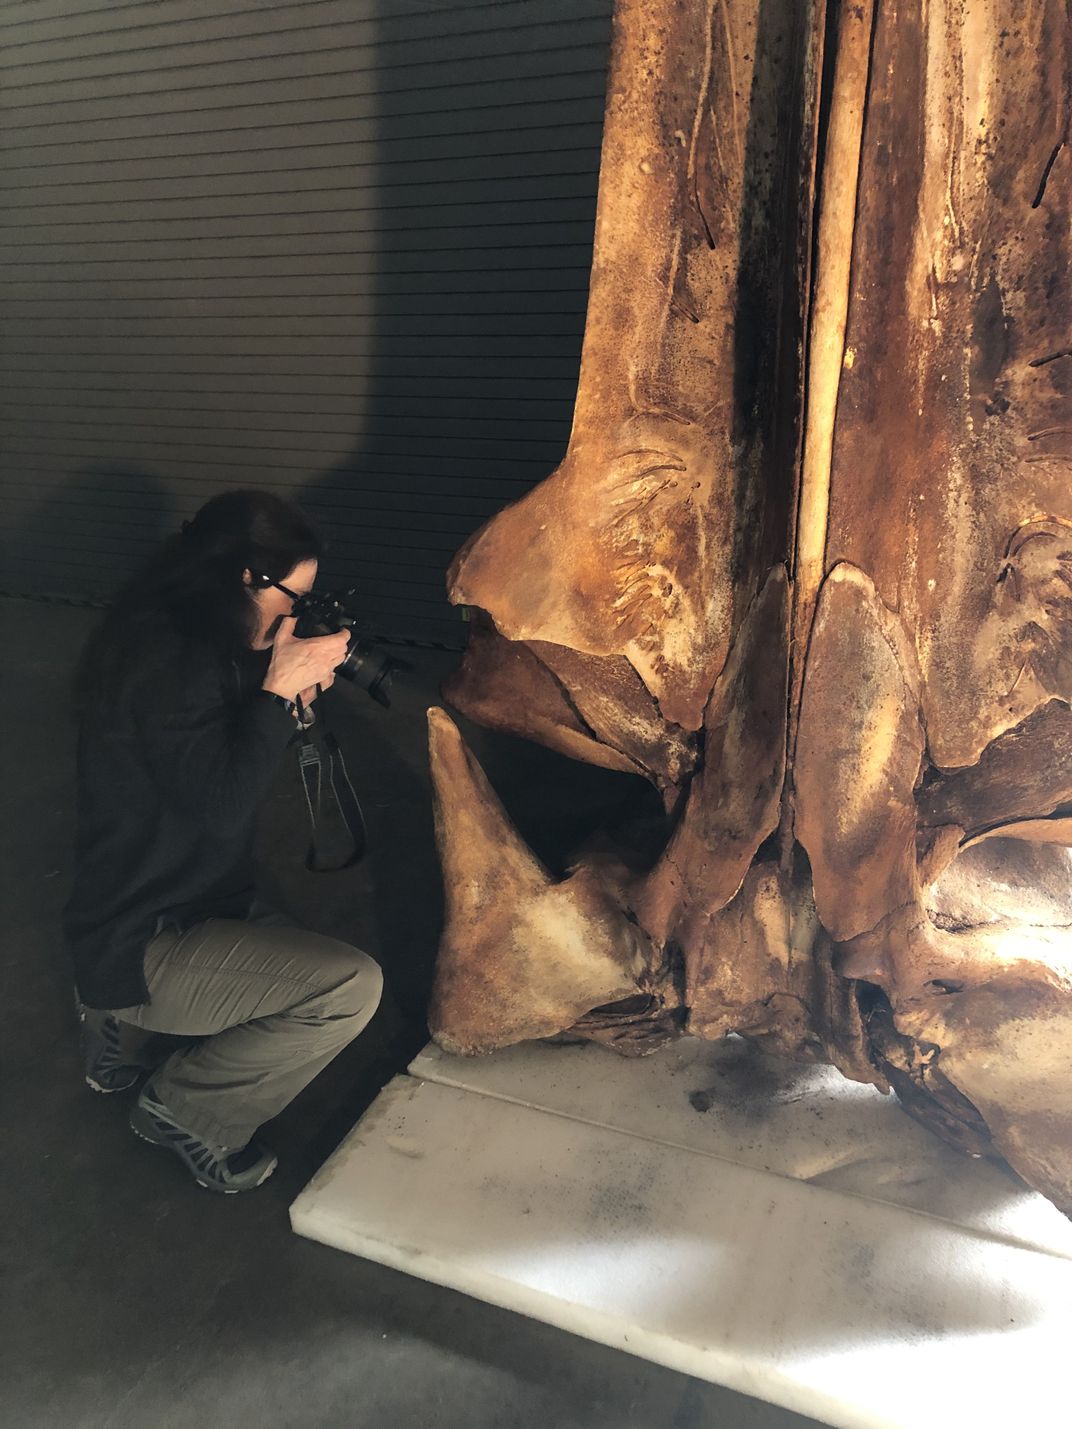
x,y
188,697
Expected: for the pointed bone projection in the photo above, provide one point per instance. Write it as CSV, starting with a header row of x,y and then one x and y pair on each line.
x,y
523,956
807,567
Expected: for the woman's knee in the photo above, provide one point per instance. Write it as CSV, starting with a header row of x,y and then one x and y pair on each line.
x,y
358,990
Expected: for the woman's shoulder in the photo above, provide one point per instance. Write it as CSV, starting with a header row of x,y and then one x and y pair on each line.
x,y
165,665
178,658
141,662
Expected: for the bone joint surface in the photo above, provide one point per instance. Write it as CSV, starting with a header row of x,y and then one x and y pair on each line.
x,y
806,567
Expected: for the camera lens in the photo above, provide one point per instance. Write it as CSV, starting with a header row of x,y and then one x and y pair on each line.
x,y
369,669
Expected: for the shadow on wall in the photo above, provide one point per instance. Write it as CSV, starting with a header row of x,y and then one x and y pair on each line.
x,y
101,524
474,303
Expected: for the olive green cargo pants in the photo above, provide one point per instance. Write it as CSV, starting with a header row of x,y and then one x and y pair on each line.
x,y
271,1003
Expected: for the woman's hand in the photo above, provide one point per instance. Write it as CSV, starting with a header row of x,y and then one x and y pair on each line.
x,y
297,665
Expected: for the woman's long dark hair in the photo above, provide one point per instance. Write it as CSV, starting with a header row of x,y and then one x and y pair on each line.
x,y
193,588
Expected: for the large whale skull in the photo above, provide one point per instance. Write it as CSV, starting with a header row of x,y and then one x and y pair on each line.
x,y
807,567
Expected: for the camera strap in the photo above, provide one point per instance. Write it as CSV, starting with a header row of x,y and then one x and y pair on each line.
x,y
338,837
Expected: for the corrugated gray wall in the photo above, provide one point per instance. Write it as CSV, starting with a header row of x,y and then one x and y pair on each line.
x,y
339,248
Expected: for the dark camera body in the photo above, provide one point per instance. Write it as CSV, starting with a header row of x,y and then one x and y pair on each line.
x,y
326,613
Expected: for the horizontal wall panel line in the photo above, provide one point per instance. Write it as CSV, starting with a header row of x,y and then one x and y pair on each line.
x,y
469,365
241,457
459,281
453,192
199,15
450,301
279,68
123,515
362,420
370,611
396,566
516,300
317,438
582,108
434,137
364,226
354,388
159,237
533,433
236,22
312,327
389,328
458,530
186,32
193,289
558,432
345,562
561,385
355,155
500,410
196,477
584,165
376,170
402,575
382,175
380,564
436,558
570,237
515,215
459,347
453,359
539,71
39,13
451,456
190,287
377,50
357,559
242,460
358,398
575,96
346,483
190,488
358,412
338,558
549,436
446,355
567,82
352,500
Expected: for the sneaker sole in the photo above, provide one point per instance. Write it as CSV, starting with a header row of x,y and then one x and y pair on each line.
x,y
103,1091
199,1180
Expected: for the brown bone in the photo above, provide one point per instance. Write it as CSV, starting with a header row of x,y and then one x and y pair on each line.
x,y
523,955
807,566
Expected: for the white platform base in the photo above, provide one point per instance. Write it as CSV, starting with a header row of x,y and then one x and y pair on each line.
x,y
772,1228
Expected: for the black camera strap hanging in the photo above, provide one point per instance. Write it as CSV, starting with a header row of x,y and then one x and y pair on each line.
x,y
338,837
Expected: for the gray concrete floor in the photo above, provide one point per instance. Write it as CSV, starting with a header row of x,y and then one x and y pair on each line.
x,y
130,1297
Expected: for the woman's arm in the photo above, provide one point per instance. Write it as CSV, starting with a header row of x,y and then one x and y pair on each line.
x,y
213,756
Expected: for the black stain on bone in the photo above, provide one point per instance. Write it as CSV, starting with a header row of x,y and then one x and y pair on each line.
x,y
1041,194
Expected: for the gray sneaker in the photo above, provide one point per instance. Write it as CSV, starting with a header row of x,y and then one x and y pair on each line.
x,y
217,1168
102,1055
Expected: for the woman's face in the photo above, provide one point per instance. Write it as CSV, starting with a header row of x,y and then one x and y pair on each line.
x,y
272,605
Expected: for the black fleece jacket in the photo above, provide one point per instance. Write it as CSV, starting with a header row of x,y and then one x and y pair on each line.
x,y
169,784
